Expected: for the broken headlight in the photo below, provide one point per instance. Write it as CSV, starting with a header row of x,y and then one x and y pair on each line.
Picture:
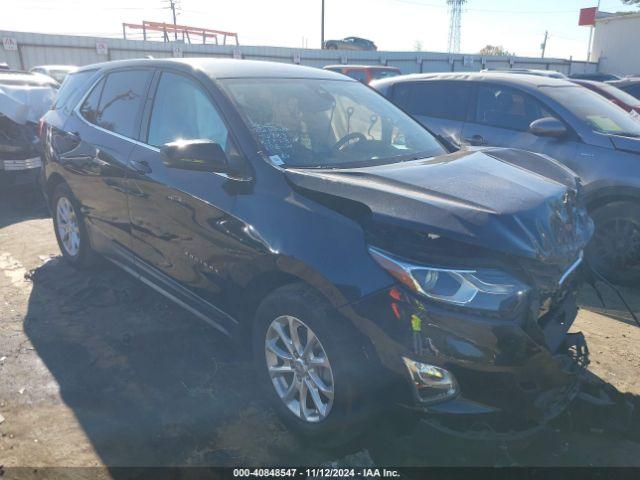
x,y
482,289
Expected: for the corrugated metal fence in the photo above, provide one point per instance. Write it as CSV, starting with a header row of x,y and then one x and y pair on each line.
x,y
23,50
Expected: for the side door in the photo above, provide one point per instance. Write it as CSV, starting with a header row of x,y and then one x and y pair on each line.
x,y
501,117
178,217
94,148
441,106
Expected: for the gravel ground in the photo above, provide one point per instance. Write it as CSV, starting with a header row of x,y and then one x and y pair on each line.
x,y
98,370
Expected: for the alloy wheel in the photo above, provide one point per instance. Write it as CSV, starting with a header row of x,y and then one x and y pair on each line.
x,y
299,368
68,227
616,243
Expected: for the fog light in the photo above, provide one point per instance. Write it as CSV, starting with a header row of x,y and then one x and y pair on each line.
x,y
432,384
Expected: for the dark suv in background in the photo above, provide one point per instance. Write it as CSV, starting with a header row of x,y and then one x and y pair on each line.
x,y
301,213
595,138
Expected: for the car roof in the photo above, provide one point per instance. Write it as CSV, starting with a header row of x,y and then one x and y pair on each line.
x,y
56,67
584,81
18,77
625,81
352,65
531,81
219,68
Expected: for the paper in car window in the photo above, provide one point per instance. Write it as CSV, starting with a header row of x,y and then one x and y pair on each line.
x,y
604,124
276,160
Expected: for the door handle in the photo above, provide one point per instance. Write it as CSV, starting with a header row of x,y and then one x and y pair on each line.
x,y
140,166
476,140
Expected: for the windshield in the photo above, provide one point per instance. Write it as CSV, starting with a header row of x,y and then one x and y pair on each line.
x,y
598,112
59,75
383,73
328,123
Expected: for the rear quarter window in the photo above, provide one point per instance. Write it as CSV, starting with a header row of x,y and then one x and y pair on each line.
x,y
71,88
115,103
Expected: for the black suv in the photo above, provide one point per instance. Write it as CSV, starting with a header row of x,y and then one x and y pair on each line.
x,y
302,213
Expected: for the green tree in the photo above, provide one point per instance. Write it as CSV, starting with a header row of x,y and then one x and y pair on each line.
x,y
495,50
631,2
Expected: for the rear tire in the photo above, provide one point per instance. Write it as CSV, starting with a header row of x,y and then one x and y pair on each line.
x,y
70,229
614,250
348,407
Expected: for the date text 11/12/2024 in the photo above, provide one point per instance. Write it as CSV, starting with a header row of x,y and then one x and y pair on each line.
x,y
316,472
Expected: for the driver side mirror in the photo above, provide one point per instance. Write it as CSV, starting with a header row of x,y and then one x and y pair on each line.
x,y
197,155
548,127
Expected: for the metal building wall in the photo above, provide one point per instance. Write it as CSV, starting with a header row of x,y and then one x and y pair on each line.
x,y
615,44
41,49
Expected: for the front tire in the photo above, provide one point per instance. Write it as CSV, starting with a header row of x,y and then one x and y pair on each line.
x,y
311,367
70,230
614,250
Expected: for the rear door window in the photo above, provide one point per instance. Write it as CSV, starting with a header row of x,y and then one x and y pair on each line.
x,y
448,100
120,102
506,107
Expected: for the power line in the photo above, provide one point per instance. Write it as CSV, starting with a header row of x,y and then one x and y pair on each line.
x,y
488,10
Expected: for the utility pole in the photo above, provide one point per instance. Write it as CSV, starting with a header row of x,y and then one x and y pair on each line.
x,y
172,5
322,27
543,45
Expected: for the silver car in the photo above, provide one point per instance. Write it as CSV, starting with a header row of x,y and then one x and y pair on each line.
x,y
584,131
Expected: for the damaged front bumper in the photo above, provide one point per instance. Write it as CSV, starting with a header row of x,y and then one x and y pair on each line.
x,y
460,417
503,379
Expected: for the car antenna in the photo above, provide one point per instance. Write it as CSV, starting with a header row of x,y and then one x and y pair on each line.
x,y
592,278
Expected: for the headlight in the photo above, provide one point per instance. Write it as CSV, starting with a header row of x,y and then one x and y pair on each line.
x,y
484,289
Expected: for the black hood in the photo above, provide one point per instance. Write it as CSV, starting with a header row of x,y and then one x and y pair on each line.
x,y
504,200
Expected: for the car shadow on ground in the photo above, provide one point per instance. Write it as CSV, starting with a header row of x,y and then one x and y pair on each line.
x,y
18,204
151,385
613,306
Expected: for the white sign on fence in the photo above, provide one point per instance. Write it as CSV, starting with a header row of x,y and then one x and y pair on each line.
x,y
237,53
10,43
297,58
102,48
177,51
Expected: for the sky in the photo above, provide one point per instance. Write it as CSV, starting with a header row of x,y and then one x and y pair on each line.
x,y
518,26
